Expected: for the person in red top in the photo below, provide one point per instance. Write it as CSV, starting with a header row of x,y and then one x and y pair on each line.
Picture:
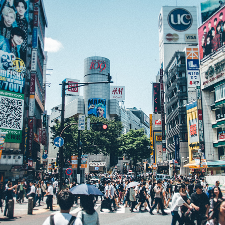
x,y
215,43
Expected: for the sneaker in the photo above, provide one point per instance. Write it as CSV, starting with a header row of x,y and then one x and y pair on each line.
x,y
164,213
151,213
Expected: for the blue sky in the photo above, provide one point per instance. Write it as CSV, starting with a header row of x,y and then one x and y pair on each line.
x,y
124,31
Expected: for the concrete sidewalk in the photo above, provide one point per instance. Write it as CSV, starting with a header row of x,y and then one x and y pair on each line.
x,y
21,209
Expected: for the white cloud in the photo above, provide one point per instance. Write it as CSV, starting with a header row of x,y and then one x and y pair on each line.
x,y
52,45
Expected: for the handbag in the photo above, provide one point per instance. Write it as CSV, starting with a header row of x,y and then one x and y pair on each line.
x,y
72,219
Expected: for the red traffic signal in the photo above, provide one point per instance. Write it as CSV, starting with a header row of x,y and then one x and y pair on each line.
x,y
99,126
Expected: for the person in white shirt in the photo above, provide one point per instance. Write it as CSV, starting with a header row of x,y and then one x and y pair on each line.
x,y
65,200
178,201
49,196
32,192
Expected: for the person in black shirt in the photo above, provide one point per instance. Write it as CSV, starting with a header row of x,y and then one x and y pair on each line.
x,y
200,203
8,195
21,8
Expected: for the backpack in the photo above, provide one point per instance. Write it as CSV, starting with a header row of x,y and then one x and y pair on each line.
x,y
72,219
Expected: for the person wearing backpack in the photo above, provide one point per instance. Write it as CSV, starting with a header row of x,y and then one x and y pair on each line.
x,y
65,200
88,215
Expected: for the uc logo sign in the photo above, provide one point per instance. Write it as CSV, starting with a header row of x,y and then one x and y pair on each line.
x,y
180,19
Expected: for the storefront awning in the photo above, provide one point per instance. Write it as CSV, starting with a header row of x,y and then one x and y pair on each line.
x,y
192,165
216,163
220,123
219,144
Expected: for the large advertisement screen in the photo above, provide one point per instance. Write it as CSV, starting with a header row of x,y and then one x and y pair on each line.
x,y
211,35
97,107
208,8
13,48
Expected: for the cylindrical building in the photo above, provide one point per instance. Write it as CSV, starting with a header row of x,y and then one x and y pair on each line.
x,y
96,96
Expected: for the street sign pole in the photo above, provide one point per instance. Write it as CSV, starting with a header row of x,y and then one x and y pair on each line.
x,y
61,129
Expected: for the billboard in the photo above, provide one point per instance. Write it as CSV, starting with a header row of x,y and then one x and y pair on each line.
x,y
208,8
192,66
156,97
211,34
178,24
117,92
72,87
97,107
13,49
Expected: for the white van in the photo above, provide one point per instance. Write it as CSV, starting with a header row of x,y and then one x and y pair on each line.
x,y
162,176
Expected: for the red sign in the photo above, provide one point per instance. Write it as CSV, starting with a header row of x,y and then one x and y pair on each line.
x,y
193,130
98,64
30,163
221,136
40,134
72,86
200,114
69,171
158,122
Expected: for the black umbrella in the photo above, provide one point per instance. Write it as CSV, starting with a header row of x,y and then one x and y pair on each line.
x,y
85,189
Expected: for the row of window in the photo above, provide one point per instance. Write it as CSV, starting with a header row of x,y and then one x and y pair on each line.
x,y
220,92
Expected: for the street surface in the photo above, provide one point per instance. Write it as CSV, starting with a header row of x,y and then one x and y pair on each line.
x,y
122,216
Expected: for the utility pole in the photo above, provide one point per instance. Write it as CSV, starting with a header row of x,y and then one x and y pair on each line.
x,y
61,129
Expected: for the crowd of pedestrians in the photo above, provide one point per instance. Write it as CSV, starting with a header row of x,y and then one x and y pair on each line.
x,y
190,200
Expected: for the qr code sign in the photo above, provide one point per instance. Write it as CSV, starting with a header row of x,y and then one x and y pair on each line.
x,y
11,113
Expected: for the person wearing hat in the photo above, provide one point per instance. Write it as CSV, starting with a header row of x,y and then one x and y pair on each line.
x,y
49,195
200,202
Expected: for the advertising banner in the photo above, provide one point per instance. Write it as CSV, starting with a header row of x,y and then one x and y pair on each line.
x,y
208,8
192,66
151,132
11,114
14,17
177,147
117,92
193,130
72,87
84,159
97,107
178,25
74,161
211,34
156,97
30,137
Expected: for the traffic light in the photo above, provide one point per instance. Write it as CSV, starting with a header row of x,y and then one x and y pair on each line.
x,y
109,78
99,126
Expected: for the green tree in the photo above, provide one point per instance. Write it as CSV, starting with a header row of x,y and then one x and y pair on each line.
x,y
135,145
93,142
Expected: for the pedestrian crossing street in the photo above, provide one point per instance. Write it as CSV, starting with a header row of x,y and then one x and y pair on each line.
x,y
120,210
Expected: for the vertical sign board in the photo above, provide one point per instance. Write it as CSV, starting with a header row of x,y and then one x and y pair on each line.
x,y
81,122
74,161
151,132
30,138
156,97
192,66
177,147
162,112
200,125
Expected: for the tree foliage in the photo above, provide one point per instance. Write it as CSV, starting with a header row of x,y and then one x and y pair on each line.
x,y
93,142
135,145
